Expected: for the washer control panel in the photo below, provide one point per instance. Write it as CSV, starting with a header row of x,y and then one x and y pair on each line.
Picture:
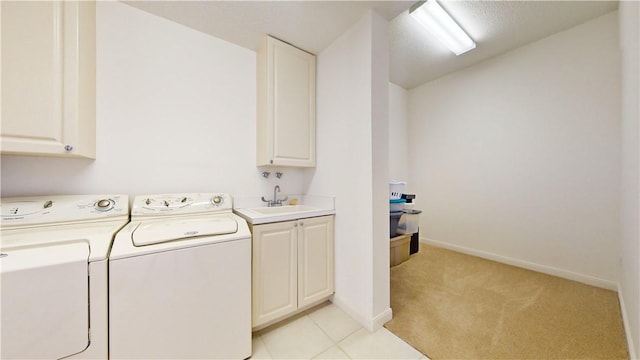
x,y
35,210
182,203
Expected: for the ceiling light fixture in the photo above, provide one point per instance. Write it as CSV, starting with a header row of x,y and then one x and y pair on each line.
x,y
433,17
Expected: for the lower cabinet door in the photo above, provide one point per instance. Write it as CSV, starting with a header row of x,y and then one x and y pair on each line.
x,y
274,281
315,259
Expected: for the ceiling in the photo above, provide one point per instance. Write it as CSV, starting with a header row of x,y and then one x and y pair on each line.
x,y
415,57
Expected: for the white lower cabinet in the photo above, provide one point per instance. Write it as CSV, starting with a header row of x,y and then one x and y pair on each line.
x,y
292,267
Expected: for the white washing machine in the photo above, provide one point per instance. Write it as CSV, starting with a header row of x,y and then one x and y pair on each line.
x,y
54,274
180,280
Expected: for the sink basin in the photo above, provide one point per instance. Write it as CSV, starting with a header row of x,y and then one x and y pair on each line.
x,y
265,215
285,209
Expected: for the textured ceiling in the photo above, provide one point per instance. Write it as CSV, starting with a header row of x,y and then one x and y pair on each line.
x,y
415,57
496,27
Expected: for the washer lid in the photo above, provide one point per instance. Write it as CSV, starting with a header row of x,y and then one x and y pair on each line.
x,y
183,229
45,301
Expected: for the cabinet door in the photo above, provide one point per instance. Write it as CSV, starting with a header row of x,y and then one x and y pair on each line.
x,y
315,259
48,78
274,272
287,85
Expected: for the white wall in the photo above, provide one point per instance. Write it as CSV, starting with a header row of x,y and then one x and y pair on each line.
x,y
349,128
398,137
630,194
381,312
517,158
176,112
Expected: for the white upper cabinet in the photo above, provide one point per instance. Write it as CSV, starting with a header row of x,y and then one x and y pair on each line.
x,y
48,78
286,105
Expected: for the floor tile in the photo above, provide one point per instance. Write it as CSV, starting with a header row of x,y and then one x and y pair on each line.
x,y
333,353
299,339
335,322
258,349
326,332
381,344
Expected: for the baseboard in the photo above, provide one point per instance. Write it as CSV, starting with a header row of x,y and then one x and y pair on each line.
x,y
371,324
382,318
627,327
585,279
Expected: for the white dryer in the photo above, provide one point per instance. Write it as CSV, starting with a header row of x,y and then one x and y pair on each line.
x,y
180,280
54,274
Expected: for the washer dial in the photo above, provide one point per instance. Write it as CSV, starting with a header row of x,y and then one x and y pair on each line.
x,y
217,200
104,205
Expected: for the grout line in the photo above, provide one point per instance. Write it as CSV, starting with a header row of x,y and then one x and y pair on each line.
x,y
343,350
325,333
335,342
264,344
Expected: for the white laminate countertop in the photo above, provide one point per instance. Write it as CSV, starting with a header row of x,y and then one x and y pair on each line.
x,y
256,212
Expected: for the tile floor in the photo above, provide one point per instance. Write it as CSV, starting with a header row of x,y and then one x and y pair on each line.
x,y
326,332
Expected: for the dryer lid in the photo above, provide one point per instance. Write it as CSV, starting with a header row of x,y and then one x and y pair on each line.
x,y
183,229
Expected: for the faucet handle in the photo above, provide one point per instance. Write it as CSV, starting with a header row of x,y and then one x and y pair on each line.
x,y
269,202
279,201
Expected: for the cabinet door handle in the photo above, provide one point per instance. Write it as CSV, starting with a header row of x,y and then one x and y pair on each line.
x,y
295,225
301,223
68,148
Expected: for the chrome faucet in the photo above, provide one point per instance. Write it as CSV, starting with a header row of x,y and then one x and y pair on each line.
x,y
275,201
275,189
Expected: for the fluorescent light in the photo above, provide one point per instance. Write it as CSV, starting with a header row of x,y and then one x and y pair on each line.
x,y
433,17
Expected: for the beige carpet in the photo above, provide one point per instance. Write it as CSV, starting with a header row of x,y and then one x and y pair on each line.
x,y
454,306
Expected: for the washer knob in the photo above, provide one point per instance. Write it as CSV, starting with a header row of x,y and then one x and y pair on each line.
x,y
217,200
104,204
